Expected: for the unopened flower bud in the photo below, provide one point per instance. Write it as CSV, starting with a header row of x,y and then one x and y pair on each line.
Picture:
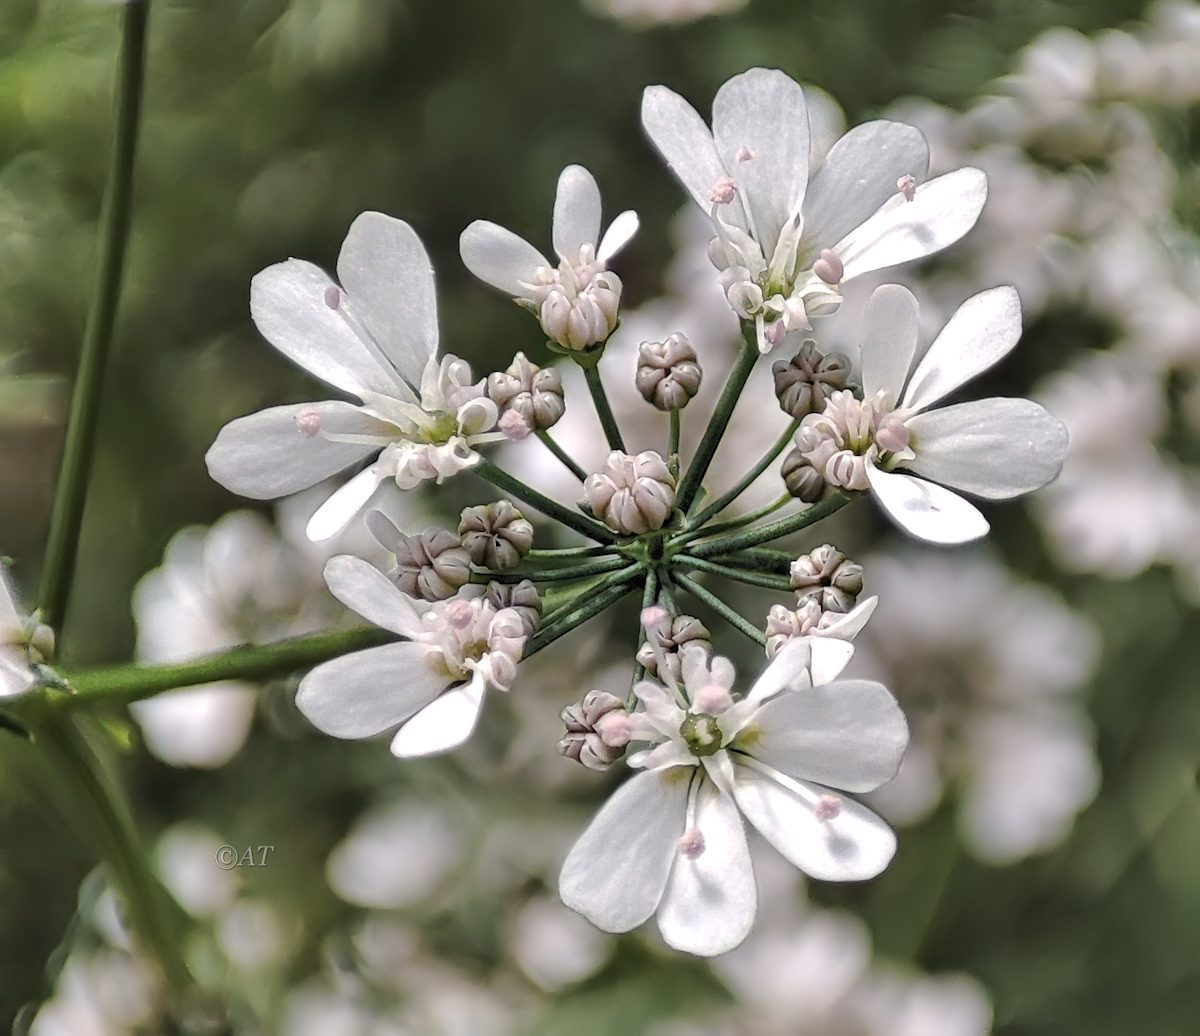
x,y
803,481
522,597
532,395
632,494
432,565
827,576
668,374
808,379
495,535
39,641
665,637
598,730
829,266
578,314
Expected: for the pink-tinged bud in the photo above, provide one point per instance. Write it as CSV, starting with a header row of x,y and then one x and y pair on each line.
x,y
691,843
615,729
828,808
744,154
829,267
892,435
907,185
632,494
654,616
333,297
308,421
712,699
598,729
513,425
723,190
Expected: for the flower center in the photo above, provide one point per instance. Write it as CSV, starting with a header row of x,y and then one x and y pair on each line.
x,y
836,441
701,733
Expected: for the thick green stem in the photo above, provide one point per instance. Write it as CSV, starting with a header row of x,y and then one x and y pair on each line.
x,y
126,683
718,423
590,603
581,523
770,582
773,531
62,544
723,501
550,575
738,622
562,455
608,420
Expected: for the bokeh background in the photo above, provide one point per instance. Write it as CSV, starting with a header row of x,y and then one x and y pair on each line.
x,y
1048,879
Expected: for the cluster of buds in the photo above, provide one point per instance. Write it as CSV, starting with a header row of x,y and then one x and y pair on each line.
x,y
578,303
665,638
632,494
598,730
808,379
784,624
432,565
827,576
521,597
496,536
668,374
529,397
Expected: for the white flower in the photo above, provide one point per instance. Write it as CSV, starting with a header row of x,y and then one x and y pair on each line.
x,y
809,619
990,448
644,13
671,839
431,686
578,300
374,337
16,673
792,228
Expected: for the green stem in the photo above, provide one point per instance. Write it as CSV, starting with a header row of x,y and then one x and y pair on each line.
x,y
673,442
666,592
590,603
581,523
771,582
734,523
126,683
62,544
563,553
738,622
608,420
758,559
562,455
550,575
649,597
723,501
717,423
773,531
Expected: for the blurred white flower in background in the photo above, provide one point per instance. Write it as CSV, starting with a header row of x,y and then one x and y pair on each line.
x,y
988,670
644,13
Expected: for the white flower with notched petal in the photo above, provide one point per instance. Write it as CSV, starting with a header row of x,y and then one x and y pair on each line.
x,y
16,646
671,840
792,229
578,300
375,337
990,448
432,685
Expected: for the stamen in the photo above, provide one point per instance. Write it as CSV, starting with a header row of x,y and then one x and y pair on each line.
x,y
691,843
723,190
333,297
744,154
828,808
907,185
458,614
892,435
829,267
308,421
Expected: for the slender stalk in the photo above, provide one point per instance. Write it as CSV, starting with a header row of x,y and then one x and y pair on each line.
x,y
649,597
738,622
557,553
673,442
593,604
723,501
608,420
765,533
557,601
666,592
758,559
717,423
562,455
62,544
581,523
734,523
127,683
550,575
771,582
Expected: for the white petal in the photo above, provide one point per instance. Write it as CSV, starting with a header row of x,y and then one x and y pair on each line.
x,y
659,707
335,514
576,212
832,650
850,734
763,110
361,587
846,628
926,510
265,455
710,901
942,210
788,670
499,257
890,330
15,675
389,278
993,448
619,233
199,726
367,692
682,138
12,624
290,306
615,874
443,724
852,846
858,175
982,331
663,756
